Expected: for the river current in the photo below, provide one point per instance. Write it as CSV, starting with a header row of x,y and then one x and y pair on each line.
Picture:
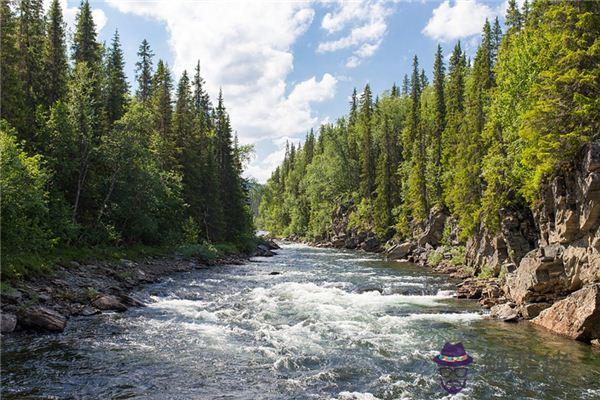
x,y
308,323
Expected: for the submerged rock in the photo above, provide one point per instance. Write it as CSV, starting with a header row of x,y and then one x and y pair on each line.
x,y
577,316
42,319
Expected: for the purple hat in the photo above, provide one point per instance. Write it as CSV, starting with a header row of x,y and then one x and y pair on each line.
x,y
453,355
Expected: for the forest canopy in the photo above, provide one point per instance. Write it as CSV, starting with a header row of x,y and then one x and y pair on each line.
x,y
85,162
479,138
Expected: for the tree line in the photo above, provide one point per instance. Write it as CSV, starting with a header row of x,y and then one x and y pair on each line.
x,y
86,162
478,139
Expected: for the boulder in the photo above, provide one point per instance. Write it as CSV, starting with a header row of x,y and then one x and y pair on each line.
x,y
8,322
131,301
42,319
370,244
263,251
470,288
108,302
506,312
400,251
532,310
539,278
577,316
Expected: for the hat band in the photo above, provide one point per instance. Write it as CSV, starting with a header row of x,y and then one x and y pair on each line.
x,y
453,359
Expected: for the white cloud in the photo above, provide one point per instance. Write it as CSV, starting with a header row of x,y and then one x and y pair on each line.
x,y
366,25
462,19
246,49
70,15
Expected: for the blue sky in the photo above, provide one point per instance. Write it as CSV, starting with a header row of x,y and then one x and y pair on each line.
x,y
288,66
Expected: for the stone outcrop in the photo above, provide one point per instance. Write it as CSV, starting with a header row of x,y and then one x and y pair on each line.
x,y
565,268
577,316
434,227
505,249
343,236
42,319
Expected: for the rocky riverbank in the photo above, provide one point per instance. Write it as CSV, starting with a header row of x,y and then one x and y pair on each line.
x,y
543,264
45,303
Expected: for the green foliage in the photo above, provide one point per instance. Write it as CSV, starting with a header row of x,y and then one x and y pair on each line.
x,y
86,166
24,223
480,138
486,272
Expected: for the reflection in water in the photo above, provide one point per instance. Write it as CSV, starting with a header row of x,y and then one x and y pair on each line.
x,y
333,324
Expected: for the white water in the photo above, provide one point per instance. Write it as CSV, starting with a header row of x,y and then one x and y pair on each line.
x,y
331,325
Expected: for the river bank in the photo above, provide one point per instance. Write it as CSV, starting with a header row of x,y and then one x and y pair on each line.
x,y
308,323
45,302
541,263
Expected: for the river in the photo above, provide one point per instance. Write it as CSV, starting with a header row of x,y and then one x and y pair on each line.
x,y
331,325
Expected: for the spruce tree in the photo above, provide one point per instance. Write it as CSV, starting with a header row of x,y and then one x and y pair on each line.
x,y
367,173
55,56
405,85
117,87
30,41
11,93
440,122
514,19
143,72
417,177
85,45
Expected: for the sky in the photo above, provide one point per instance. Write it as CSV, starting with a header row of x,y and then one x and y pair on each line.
x,y
288,66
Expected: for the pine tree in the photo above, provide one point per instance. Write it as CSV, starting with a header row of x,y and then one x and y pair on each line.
x,y
31,47
395,91
143,72
367,175
496,39
424,82
440,122
162,85
235,216
117,87
417,177
11,93
514,19
405,85
85,45
201,100
55,56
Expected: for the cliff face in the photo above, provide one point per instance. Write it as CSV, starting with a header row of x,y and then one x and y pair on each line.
x,y
565,267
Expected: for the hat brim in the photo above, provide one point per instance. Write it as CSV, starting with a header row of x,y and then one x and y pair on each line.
x,y
467,361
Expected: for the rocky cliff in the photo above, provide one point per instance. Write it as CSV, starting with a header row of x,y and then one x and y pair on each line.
x,y
543,264
564,269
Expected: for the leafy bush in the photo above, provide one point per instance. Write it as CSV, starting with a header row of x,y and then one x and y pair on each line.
x,y
24,223
435,257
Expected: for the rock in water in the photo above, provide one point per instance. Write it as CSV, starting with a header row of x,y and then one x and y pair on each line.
x,y
577,316
400,251
109,303
8,322
505,312
42,319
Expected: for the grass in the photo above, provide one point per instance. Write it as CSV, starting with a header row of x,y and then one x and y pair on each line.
x,y
28,265
486,272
